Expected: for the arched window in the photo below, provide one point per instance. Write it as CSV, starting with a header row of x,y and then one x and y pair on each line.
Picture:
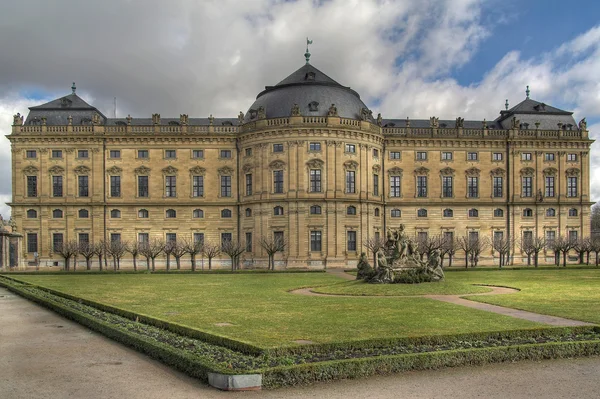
x,y
422,213
248,212
31,214
473,213
498,213
351,210
376,211
226,213
527,212
115,213
84,213
550,212
395,213
143,214
572,212
198,214
171,213
448,213
278,211
315,210
57,214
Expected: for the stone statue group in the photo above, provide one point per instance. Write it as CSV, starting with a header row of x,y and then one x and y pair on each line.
x,y
398,257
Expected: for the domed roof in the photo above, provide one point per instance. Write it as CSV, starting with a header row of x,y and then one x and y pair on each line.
x,y
312,91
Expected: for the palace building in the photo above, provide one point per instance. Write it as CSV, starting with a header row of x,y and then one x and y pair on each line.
x,y
308,161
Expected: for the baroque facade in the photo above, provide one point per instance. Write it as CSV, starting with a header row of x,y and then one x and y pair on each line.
x,y
308,162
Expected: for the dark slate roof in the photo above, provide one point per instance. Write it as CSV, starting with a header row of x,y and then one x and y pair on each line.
x,y
304,86
531,106
445,123
529,112
71,101
173,121
58,111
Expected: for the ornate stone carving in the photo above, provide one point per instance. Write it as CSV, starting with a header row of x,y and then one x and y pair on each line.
x,y
70,150
96,119
262,114
197,170
572,172
170,170
82,170
70,120
460,122
515,123
142,170
447,172
527,172
366,114
225,170
43,150
156,119
277,164
30,170
295,110
129,118
376,168
407,122
421,171
17,119
247,168
96,149
550,171
434,122
350,165
241,118
315,164
582,124
211,120
332,111
497,172
395,171
43,121
183,119
379,119
484,124
15,150
114,170
56,170
472,172
313,106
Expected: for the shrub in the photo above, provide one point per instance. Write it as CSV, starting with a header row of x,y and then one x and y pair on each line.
x,y
413,276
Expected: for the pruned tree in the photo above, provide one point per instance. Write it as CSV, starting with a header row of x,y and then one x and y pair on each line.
x,y
374,244
234,249
179,249
193,248
211,250
134,249
152,250
99,250
448,248
168,249
272,244
595,247
533,247
559,245
87,250
583,246
116,249
426,244
67,250
472,246
503,246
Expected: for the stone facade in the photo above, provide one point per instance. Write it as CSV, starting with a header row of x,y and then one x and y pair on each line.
x,y
325,181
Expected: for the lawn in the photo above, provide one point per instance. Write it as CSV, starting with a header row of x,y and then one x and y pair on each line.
x,y
264,313
446,287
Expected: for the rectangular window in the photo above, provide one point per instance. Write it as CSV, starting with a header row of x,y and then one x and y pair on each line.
x,y
249,184
57,241
56,153
225,186
32,243
278,181
525,156
550,236
497,156
143,191
171,237
199,238
225,153
572,157
446,156
226,237
114,154
197,186
421,156
84,238
549,156
83,154
143,238
572,186
170,154
527,186
471,156
315,180
32,186
472,187
351,240
375,153
375,184
499,236
115,186
83,186
197,154
498,189
421,186
350,148
448,236
314,146
277,147
278,236
170,186
447,186
394,186
143,154
115,237
57,186
248,152
473,236
422,236
248,242
350,181
315,241
394,154
549,186
573,235
31,154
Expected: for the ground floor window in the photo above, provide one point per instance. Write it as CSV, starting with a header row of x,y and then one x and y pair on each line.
x,y
315,240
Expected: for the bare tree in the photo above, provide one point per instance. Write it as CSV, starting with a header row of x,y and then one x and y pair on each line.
x,y
466,244
234,249
99,250
152,250
272,245
67,250
448,248
583,246
168,250
560,245
426,245
503,246
374,244
193,248
473,246
87,250
536,245
134,249
211,251
116,249
179,250
595,247
479,245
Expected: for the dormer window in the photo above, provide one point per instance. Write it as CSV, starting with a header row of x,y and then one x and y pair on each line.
x,y
313,106
173,123
253,113
227,123
120,123
310,76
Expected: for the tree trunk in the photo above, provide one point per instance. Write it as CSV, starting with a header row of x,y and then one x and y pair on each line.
x,y
597,260
193,256
153,264
449,260
587,258
178,261
75,263
135,263
168,262
88,263
535,259
209,263
232,264
114,263
100,261
147,263
581,257
564,258
529,259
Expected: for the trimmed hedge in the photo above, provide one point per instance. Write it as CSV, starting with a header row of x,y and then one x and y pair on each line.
x,y
174,271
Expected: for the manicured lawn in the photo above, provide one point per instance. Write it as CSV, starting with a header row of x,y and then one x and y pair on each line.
x,y
446,287
264,313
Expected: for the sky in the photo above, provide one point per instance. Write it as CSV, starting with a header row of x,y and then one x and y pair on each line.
x,y
444,58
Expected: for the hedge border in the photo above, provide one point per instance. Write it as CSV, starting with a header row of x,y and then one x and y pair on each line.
x,y
171,272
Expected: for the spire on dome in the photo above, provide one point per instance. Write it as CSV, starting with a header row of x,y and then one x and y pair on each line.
x,y
307,54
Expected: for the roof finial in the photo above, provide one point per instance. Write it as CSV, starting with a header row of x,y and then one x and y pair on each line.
x,y
527,91
506,104
307,54
73,88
